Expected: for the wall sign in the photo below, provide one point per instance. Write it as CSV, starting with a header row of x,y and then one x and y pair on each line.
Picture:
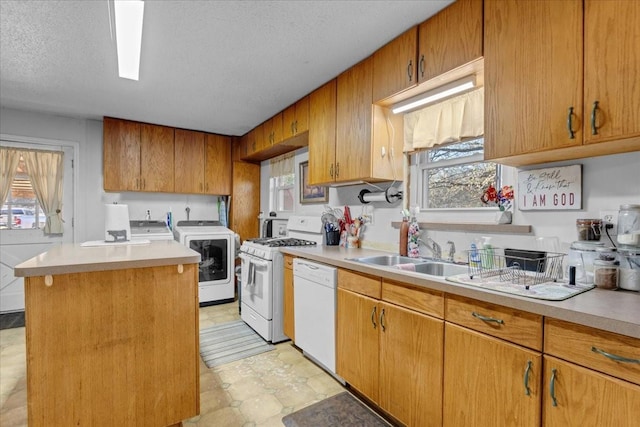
x,y
550,189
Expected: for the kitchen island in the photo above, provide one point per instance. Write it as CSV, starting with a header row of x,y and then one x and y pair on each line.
x,y
112,335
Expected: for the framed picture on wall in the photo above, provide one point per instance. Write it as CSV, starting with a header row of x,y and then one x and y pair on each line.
x,y
311,193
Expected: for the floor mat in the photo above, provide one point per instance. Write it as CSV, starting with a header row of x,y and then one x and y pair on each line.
x,y
12,320
341,410
227,342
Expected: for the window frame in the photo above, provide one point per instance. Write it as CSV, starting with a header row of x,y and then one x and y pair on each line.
x,y
418,169
274,190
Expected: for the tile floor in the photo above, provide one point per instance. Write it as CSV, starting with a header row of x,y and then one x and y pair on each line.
x,y
253,392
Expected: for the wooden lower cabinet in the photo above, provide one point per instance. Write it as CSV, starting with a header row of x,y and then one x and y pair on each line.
x,y
288,310
577,396
357,342
487,381
393,356
411,358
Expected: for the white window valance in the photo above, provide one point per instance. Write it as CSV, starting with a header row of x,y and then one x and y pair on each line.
x,y
451,120
282,165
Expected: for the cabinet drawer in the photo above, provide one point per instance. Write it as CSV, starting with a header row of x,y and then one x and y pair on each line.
x,y
360,283
288,261
509,324
584,346
423,300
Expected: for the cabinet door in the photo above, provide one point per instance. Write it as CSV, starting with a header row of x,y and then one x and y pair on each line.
x,y
587,398
451,38
121,155
245,207
273,131
288,122
611,69
357,342
394,65
288,307
531,79
322,134
189,161
484,381
353,124
217,179
301,123
156,152
411,364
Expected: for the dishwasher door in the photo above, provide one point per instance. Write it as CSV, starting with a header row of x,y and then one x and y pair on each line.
x,y
314,299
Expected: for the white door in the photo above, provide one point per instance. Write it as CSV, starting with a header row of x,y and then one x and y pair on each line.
x,y
18,245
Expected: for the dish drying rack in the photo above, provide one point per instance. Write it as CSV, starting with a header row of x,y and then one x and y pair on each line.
x,y
519,267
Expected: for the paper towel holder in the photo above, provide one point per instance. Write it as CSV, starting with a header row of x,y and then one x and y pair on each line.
x,y
390,195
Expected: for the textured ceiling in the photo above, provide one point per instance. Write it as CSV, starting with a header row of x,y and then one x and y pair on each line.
x,y
215,66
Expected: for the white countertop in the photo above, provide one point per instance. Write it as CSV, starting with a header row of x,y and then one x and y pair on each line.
x,y
73,258
613,311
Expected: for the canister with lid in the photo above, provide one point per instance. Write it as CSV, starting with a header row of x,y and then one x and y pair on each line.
x,y
582,255
629,225
629,274
589,229
605,274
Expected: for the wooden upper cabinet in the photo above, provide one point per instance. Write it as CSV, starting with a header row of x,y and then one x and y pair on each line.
x,y
353,125
322,133
156,152
611,70
295,119
272,129
394,66
217,164
449,39
531,79
121,155
189,161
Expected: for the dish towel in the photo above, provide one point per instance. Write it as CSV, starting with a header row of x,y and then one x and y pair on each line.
x,y
406,267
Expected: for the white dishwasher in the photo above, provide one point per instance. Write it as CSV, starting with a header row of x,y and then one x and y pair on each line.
x,y
314,299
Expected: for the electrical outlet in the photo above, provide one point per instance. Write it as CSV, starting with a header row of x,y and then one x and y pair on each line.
x,y
610,217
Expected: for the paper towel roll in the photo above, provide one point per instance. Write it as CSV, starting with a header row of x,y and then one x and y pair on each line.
x,y
116,223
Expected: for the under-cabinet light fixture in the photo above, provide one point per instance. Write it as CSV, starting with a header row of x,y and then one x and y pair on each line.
x,y
128,20
436,94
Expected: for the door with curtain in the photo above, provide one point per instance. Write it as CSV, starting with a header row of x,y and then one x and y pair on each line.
x,y
17,243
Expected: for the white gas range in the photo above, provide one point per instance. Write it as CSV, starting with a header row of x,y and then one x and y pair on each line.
x,y
262,277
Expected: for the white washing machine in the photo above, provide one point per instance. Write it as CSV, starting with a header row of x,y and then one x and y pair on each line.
x,y
216,246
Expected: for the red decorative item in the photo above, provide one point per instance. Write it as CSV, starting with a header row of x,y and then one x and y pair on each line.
x,y
501,198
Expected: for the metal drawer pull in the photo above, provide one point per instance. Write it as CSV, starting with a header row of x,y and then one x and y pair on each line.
x,y
410,70
373,317
527,371
421,65
487,319
572,134
331,171
552,387
382,320
614,356
594,128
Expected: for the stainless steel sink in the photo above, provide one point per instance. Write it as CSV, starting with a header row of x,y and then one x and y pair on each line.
x,y
443,269
388,260
421,265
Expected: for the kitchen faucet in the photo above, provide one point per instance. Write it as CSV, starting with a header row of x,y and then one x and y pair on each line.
x,y
452,251
435,248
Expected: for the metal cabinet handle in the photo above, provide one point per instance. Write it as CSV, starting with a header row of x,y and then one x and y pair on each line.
x,y
572,134
253,146
410,70
614,356
527,371
594,128
382,320
486,318
295,127
292,131
373,317
337,170
552,387
421,65
331,171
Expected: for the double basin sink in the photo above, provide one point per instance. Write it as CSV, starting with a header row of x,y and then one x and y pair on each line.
x,y
419,265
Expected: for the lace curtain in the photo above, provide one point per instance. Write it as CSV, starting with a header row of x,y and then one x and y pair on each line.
x,y
282,165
